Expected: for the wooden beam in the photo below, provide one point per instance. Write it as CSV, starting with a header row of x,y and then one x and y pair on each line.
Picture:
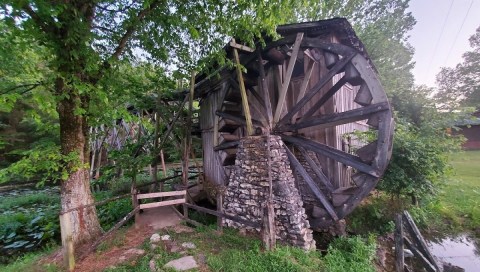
x,y
288,76
224,215
313,186
315,89
317,169
332,153
265,91
238,119
340,118
162,203
306,79
246,108
418,238
324,99
240,46
426,263
226,145
399,258
161,194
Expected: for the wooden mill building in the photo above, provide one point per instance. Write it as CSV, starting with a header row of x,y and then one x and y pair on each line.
x,y
315,87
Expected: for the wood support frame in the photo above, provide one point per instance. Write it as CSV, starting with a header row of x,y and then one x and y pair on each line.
x,y
288,76
332,153
315,89
243,92
313,186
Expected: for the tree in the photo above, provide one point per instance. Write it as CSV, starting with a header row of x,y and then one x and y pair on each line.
x,y
460,86
85,40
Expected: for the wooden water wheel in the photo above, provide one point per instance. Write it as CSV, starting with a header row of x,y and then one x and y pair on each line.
x,y
314,88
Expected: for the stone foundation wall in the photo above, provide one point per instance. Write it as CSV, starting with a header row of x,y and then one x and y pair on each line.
x,y
248,188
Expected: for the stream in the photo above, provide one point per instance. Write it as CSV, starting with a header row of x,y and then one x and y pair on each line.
x,y
462,251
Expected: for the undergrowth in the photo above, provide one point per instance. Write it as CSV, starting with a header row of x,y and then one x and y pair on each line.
x,y
231,251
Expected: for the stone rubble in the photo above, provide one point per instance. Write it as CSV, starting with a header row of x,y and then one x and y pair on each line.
x,y
182,264
248,188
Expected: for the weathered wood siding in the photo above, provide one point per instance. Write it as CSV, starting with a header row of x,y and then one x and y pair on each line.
x,y
212,168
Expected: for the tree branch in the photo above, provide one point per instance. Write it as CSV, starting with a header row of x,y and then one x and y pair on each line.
x,y
131,29
47,27
29,87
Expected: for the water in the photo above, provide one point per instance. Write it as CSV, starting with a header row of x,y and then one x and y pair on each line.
x,y
462,251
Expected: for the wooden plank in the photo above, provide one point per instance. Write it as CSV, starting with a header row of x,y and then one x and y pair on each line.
x,y
317,169
226,145
418,238
426,263
243,92
306,79
264,90
323,99
315,89
367,152
238,119
240,46
399,258
224,215
363,97
161,194
332,153
162,203
340,118
313,186
288,76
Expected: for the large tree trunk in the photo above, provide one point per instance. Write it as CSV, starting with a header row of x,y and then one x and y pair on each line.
x,y
75,191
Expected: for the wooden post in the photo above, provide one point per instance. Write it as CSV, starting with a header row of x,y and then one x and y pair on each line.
x,y
399,258
188,139
133,191
220,209
163,168
67,241
243,92
269,235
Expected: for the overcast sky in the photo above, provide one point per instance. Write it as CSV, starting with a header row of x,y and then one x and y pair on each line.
x,y
441,34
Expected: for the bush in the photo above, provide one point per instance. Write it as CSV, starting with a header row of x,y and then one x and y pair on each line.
x,y
419,163
351,254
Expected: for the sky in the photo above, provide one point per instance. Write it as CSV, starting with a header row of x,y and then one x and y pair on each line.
x,y
441,34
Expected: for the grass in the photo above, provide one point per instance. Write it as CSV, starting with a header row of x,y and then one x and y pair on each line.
x,y
460,198
30,262
454,210
231,251
13,202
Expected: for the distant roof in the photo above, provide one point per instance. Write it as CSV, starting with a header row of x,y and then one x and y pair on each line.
x,y
473,120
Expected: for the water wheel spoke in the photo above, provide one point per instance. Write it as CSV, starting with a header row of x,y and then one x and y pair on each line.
x,y
332,153
317,170
315,89
336,119
288,76
312,185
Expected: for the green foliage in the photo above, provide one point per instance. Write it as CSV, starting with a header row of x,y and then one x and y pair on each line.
x,y
27,223
419,163
30,262
373,217
44,161
351,254
112,212
460,86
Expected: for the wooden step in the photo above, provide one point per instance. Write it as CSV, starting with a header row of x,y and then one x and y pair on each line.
x,y
227,137
227,125
228,156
